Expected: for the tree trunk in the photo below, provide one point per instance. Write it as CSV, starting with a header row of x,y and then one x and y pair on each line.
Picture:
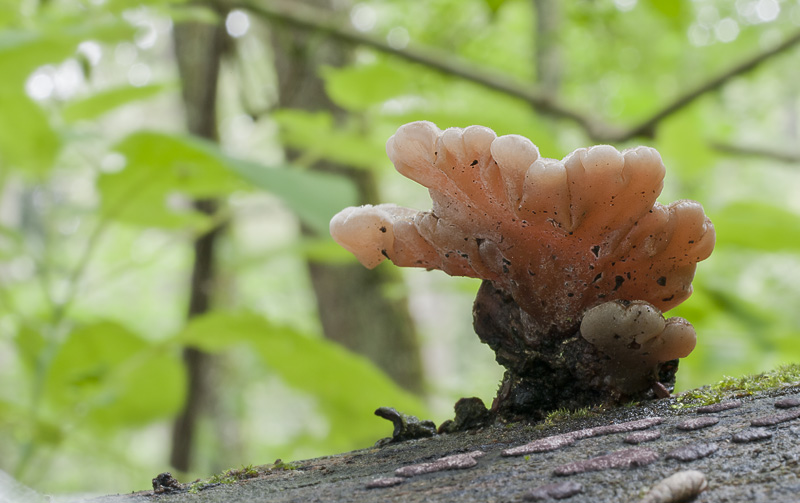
x,y
198,48
353,304
548,51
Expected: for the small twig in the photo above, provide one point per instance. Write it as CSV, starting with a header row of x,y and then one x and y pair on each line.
x,y
73,281
645,128
597,129
784,156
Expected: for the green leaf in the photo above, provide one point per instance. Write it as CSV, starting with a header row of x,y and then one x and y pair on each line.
x,y
27,141
757,226
87,357
459,104
11,242
30,346
21,422
119,6
316,134
22,51
145,388
157,166
111,377
184,163
494,5
675,11
103,102
315,196
9,12
359,87
347,386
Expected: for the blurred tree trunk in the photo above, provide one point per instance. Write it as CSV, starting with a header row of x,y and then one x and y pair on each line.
x,y
356,306
198,48
548,51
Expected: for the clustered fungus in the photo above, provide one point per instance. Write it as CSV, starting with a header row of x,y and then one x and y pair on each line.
x,y
577,257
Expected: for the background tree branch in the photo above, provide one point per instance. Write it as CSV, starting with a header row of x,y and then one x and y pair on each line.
x,y
198,49
645,128
304,17
785,156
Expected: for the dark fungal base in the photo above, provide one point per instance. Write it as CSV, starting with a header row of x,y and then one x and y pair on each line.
x,y
546,371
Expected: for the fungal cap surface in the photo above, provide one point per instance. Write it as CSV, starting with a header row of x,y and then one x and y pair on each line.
x,y
561,236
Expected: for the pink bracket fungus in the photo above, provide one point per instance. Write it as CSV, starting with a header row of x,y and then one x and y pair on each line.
x,y
555,242
636,338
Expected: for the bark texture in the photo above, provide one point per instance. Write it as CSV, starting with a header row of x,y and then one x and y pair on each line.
x,y
762,469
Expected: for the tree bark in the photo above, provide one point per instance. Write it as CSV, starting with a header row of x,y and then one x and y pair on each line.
x,y
353,304
198,48
741,462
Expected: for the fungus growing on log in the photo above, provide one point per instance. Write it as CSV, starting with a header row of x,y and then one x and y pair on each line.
x,y
570,251
636,339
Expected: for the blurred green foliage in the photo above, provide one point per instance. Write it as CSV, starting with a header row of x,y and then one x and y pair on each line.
x,y
313,365
96,221
77,381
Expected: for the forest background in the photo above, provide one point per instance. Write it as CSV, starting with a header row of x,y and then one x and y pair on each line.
x,y
169,295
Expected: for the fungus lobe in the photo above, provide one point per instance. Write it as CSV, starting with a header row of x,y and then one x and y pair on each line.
x,y
513,213
552,239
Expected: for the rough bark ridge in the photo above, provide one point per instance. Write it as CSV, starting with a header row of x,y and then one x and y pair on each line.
x,y
546,371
